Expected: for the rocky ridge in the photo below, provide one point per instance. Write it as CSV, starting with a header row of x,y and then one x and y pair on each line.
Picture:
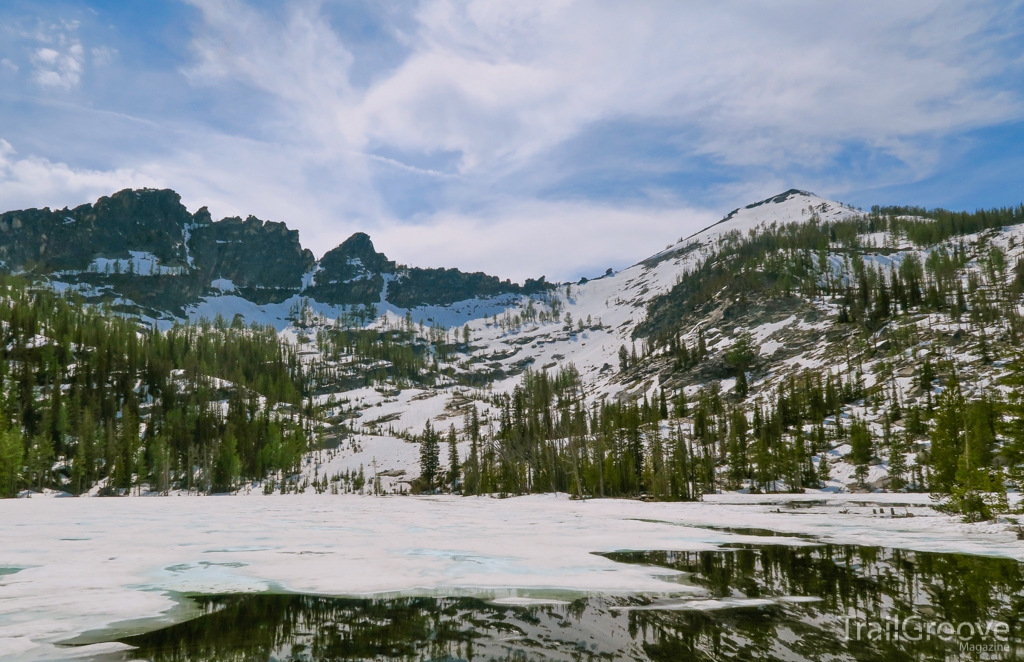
x,y
143,253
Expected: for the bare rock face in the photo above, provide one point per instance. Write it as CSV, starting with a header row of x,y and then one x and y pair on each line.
x,y
263,260
46,241
352,273
144,253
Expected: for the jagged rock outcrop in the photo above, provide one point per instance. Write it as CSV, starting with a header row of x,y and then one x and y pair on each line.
x,y
440,287
46,241
352,273
263,261
143,252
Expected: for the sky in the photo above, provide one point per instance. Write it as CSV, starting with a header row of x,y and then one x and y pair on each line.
x,y
527,138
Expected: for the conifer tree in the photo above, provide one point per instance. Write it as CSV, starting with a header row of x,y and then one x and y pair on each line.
x,y
430,455
11,454
947,436
454,473
861,449
737,453
39,461
739,356
682,406
471,484
161,463
824,472
898,462
1013,425
228,465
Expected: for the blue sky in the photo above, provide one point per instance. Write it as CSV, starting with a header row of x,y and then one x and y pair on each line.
x,y
537,137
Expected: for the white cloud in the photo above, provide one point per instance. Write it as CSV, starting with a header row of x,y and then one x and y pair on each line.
x,y
500,83
103,55
519,240
36,182
59,63
7,65
300,61
490,91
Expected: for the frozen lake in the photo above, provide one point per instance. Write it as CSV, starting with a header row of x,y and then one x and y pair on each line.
x,y
74,566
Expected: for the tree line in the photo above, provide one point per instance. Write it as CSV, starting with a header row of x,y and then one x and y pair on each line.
x,y
90,398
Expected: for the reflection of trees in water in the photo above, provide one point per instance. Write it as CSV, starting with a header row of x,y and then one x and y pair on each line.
x,y
870,583
304,627
298,627
866,583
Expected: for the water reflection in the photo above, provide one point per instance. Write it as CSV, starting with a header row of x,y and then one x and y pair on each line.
x,y
764,602
865,596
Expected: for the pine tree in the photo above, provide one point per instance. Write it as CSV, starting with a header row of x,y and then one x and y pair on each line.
x,y
161,463
656,472
739,356
947,437
11,453
824,472
737,449
762,452
804,459
682,483
228,465
454,472
1013,427
898,462
979,490
795,462
682,407
80,468
40,462
475,479
861,449
430,456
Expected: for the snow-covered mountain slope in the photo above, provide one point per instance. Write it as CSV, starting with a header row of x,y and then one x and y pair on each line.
x,y
864,305
611,306
793,206
793,334
596,318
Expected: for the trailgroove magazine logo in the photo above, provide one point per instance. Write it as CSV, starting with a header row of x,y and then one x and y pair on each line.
x,y
978,637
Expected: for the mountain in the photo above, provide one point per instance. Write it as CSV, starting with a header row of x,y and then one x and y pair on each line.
x,y
798,344
142,252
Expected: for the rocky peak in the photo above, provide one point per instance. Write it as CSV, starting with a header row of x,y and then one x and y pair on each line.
x,y
263,260
355,257
352,273
144,247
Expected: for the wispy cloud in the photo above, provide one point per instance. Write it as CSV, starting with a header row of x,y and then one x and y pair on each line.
x,y
542,136
503,82
58,68
103,55
32,181
525,239
58,64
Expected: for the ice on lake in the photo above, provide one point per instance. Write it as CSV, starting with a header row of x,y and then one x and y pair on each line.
x,y
85,565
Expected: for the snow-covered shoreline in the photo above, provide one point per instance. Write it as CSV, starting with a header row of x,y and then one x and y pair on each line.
x,y
88,563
